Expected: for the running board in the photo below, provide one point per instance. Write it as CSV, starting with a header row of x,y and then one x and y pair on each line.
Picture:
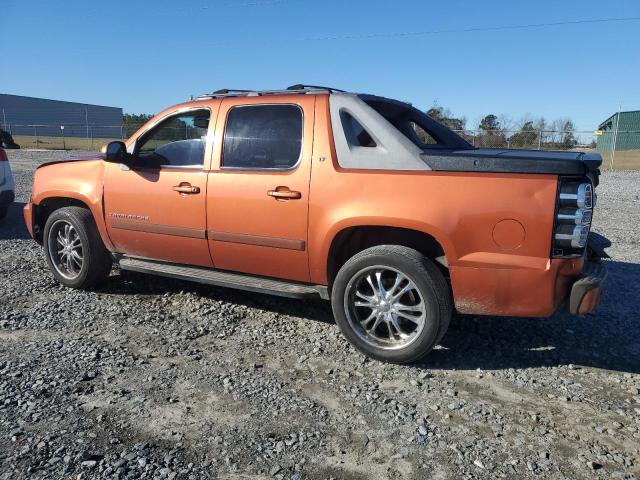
x,y
221,278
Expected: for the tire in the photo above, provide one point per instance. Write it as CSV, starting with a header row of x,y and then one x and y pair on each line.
x,y
96,261
427,301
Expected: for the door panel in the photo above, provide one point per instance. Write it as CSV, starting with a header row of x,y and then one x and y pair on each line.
x,y
257,219
147,218
157,208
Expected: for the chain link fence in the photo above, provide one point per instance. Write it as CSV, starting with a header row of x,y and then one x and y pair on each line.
x,y
92,137
562,140
71,136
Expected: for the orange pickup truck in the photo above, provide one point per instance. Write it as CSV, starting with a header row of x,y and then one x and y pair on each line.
x,y
312,191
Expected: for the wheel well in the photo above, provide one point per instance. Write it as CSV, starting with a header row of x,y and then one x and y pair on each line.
x,y
355,239
46,207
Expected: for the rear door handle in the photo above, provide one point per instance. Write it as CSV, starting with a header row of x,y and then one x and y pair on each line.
x,y
186,188
284,194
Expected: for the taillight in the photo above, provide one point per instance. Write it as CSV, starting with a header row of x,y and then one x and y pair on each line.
x,y
573,217
3,156
576,194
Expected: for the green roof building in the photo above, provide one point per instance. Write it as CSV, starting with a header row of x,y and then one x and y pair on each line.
x,y
628,126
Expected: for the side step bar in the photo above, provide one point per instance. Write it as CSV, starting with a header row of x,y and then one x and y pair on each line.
x,y
221,278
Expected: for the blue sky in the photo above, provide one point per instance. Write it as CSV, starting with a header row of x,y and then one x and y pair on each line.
x,y
146,55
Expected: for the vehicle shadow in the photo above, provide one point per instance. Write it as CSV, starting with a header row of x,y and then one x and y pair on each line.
x,y
608,338
128,282
12,227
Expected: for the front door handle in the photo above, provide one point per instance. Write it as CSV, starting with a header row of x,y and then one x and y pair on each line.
x,y
284,193
186,188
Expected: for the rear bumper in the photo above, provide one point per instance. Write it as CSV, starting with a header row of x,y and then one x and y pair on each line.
x,y
6,197
586,292
525,291
574,285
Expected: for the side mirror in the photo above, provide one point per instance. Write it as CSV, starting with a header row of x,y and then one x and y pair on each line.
x,y
201,122
115,152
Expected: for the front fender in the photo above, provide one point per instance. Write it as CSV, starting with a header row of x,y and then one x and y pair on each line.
x,y
80,181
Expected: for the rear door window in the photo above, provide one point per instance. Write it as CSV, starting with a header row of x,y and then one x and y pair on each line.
x,y
261,137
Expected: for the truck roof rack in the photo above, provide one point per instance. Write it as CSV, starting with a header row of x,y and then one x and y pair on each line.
x,y
227,91
300,86
233,92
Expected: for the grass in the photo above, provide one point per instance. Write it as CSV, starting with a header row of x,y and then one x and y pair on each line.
x,y
623,160
56,143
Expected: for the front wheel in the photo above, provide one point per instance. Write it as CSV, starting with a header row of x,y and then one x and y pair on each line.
x,y
74,250
391,303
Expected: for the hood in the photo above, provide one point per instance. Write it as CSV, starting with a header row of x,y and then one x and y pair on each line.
x,y
84,158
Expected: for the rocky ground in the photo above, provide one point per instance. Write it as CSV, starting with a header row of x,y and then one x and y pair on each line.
x,y
153,378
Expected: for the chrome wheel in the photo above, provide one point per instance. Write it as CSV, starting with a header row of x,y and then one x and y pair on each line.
x,y
384,307
65,249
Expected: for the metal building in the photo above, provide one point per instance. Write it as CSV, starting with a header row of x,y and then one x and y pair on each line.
x,y
39,116
620,129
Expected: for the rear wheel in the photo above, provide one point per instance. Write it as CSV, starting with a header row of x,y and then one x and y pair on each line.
x,y
392,303
74,250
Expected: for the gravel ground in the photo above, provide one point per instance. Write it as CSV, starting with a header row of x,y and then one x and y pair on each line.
x,y
154,378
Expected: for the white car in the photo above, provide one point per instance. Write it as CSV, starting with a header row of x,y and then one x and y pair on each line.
x,y
6,184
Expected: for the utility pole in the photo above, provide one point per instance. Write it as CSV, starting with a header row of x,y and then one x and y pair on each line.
x,y
615,138
540,140
86,121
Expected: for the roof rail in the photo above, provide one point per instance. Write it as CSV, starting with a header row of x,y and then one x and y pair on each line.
x,y
300,86
227,91
232,92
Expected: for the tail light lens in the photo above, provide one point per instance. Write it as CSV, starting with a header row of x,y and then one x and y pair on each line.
x,y
3,156
573,218
576,195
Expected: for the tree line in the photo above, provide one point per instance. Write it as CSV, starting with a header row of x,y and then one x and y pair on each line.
x,y
133,121
501,131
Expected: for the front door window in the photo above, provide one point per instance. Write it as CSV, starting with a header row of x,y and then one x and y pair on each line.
x,y
178,141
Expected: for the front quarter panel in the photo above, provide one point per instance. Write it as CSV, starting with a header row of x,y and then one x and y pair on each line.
x,y
77,180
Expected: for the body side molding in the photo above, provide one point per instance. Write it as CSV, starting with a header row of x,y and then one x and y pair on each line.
x,y
161,229
285,243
